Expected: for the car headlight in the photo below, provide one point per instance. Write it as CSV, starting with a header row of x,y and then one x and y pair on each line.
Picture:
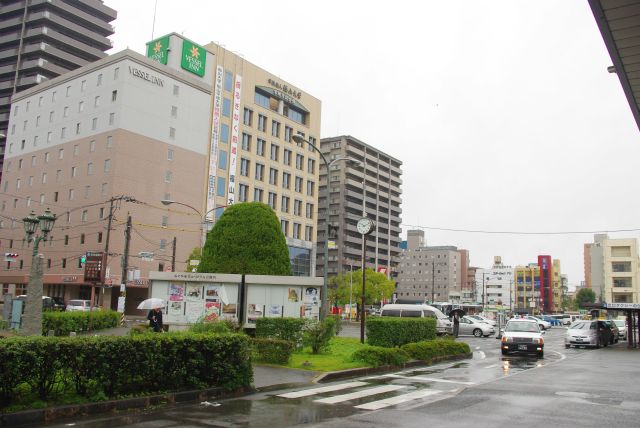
x,y
506,339
540,341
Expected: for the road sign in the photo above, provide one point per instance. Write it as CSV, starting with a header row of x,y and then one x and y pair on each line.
x,y
93,266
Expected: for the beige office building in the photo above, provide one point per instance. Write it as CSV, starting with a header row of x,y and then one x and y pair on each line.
x,y
197,125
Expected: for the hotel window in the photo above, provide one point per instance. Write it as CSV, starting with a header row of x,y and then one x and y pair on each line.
x,y
99,80
112,118
80,106
94,123
96,101
44,178
74,171
242,192
71,194
312,141
167,176
246,142
50,117
174,111
48,137
46,157
228,80
64,263
247,118
61,154
244,167
116,72
41,198
76,150
308,233
15,111
82,235
311,166
273,176
109,141
90,168
40,102
59,175
13,129
296,230
66,239
261,100
257,195
262,123
107,165
172,132
114,95
27,109
103,188
169,154
284,204
20,163
297,207
68,91
286,157
309,211
77,128
33,161
35,141
298,185
259,172
87,192
260,143
287,133
271,200
226,107
284,225
176,90
63,132
101,213
299,160
221,188
275,128
286,180
38,120
224,133
274,152
30,182
53,97
310,188
65,111
165,221
99,237
83,85
92,146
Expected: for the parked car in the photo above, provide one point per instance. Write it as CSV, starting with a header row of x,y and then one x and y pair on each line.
x,y
551,320
622,329
470,325
565,319
482,318
443,324
594,333
522,335
58,304
544,325
80,305
47,302
615,332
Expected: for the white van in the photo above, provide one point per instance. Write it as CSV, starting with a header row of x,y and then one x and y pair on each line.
x,y
443,324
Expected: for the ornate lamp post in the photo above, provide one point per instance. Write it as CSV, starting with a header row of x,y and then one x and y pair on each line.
x,y
32,318
203,218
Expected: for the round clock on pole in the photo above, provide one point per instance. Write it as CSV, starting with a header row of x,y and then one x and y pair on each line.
x,y
366,226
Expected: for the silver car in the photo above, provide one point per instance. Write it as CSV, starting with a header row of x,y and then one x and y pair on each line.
x,y
469,325
587,333
622,329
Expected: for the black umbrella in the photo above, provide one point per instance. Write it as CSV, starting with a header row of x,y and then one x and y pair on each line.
x,y
460,312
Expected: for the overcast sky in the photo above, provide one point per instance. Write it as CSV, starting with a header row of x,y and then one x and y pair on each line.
x,y
502,112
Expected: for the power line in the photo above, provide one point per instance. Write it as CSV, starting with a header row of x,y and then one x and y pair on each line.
x,y
496,232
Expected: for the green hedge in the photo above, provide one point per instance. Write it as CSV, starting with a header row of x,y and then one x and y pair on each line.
x,y
274,351
391,332
376,356
435,348
63,323
111,367
281,328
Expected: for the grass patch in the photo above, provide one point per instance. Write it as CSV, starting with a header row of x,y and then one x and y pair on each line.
x,y
337,357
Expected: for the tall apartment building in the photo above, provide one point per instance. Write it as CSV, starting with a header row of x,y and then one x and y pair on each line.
x,y
372,189
614,269
429,274
206,130
527,289
493,286
43,39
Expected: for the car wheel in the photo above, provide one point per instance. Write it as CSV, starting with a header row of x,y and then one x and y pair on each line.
x,y
541,354
504,352
477,332
598,343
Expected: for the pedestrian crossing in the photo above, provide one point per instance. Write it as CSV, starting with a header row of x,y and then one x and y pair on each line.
x,y
373,393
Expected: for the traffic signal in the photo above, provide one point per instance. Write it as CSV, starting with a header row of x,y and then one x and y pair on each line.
x,y
83,258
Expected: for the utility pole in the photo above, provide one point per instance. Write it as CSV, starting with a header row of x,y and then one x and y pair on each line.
x,y
125,255
173,256
484,296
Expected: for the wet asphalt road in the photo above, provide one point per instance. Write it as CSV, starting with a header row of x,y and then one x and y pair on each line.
x,y
569,387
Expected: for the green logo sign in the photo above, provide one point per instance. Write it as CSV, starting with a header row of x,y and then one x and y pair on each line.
x,y
158,49
193,58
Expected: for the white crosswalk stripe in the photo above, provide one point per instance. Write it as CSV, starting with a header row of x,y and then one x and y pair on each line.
x,y
321,390
360,394
398,399
428,379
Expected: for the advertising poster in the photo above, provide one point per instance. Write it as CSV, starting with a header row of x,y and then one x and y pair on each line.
x,y
194,292
293,295
229,311
275,310
311,296
253,313
211,311
176,308
194,311
176,292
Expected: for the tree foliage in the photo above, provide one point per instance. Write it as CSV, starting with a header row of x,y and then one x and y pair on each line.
x,y
246,239
585,295
378,286
196,254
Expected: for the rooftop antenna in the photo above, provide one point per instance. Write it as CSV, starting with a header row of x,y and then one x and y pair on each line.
x,y
153,26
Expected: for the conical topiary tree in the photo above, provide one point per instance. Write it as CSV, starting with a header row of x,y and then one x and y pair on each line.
x,y
246,239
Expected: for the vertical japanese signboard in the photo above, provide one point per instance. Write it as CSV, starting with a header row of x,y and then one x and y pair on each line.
x,y
235,133
158,50
93,266
194,58
215,140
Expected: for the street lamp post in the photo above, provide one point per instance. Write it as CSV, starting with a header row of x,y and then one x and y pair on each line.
x,y
32,321
203,218
299,140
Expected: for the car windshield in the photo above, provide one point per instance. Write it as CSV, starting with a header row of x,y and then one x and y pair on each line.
x,y
76,303
522,326
619,323
581,326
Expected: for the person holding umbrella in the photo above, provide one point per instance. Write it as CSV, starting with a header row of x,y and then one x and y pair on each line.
x,y
456,314
155,319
